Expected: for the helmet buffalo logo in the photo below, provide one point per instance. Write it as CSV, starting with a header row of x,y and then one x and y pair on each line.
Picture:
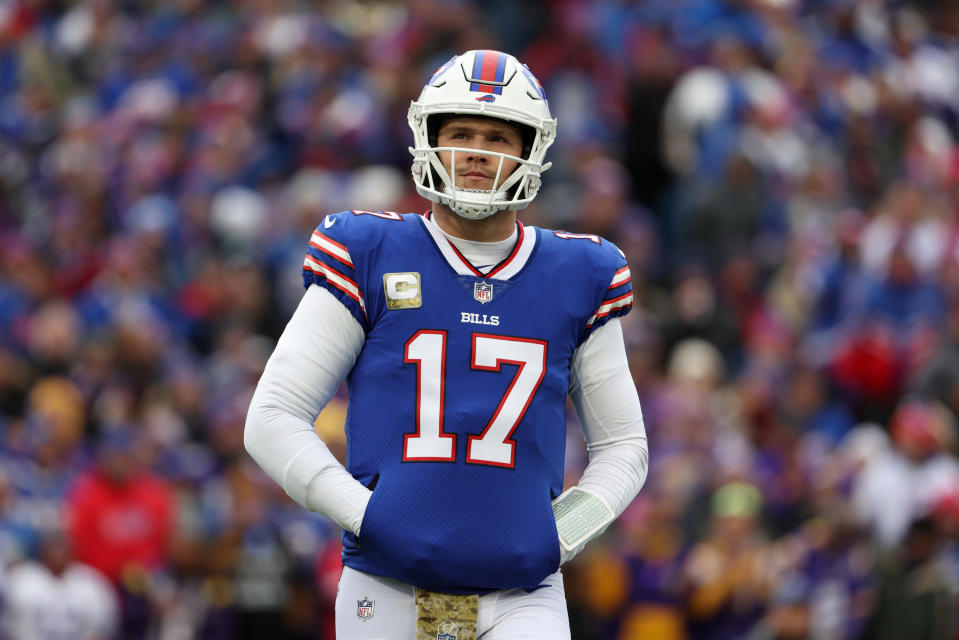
x,y
486,98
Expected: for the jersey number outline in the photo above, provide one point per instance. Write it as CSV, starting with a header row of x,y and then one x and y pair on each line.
x,y
565,235
386,215
494,446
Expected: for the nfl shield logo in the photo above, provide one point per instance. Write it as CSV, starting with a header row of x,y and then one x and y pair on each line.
x,y
447,630
364,609
483,292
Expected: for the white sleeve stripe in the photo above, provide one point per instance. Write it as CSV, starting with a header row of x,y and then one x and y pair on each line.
x,y
607,308
335,278
331,248
622,277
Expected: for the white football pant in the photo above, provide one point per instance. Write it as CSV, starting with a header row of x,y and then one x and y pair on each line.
x,y
511,614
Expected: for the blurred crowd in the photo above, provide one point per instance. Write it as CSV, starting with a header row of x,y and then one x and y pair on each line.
x,y
782,174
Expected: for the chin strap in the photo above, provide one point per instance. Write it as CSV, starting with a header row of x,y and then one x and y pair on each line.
x,y
472,211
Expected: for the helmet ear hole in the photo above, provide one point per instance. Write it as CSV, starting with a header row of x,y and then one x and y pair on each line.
x,y
529,136
434,123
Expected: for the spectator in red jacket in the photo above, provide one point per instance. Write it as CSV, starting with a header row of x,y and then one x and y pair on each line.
x,y
120,515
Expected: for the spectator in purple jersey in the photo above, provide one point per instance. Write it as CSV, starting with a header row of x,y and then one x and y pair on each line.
x,y
725,576
654,553
788,617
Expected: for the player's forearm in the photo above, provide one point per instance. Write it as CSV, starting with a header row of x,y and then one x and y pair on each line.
x,y
291,453
617,473
607,404
313,356
608,407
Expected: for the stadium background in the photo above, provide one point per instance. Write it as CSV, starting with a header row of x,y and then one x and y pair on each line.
x,y
782,174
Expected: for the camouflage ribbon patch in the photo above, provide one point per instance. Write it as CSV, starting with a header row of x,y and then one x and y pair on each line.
x,y
444,616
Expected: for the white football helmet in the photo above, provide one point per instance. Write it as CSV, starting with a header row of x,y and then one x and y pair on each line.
x,y
491,84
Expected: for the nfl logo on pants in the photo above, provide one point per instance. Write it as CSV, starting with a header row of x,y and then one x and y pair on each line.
x,y
364,609
483,292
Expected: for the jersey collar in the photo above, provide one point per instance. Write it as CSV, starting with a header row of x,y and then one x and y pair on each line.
x,y
509,267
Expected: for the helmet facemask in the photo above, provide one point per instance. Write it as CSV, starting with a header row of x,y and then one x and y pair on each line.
x,y
509,191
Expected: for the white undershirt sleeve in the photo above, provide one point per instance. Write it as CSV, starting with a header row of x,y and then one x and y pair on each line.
x,y
315,353
605,399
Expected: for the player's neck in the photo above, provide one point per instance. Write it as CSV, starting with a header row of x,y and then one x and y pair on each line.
x,y
498,226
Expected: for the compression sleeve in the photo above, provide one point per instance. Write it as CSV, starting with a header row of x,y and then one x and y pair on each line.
x,y
605,399
313,356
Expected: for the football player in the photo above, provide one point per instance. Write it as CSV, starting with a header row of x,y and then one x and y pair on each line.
x,y
460,334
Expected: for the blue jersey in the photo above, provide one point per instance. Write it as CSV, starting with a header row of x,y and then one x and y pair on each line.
x,y
457,400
